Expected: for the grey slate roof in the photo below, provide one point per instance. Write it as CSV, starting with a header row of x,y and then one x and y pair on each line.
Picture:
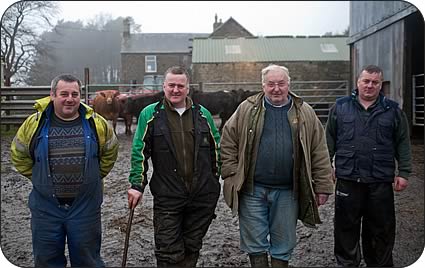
x,y
270,49
159,42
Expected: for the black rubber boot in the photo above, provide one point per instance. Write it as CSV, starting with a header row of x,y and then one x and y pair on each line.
x,y
190,259
259,260
279,263
162,264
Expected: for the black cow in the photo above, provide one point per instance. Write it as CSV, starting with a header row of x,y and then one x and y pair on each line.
x,y
136,103
222,103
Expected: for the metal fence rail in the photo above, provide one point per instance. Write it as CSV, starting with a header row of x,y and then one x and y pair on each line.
x,y
418,100
17,102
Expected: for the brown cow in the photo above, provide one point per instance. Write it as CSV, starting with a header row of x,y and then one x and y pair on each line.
x,y
107,104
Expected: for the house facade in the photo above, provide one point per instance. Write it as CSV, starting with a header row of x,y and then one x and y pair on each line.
x,y
146,56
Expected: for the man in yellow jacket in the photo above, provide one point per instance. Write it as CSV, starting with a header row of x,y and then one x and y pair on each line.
x,y
65,149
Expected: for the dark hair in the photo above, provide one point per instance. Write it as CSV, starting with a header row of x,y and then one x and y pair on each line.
x,y
177,70
373,69
64,77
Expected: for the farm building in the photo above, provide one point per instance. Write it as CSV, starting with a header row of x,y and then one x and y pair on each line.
x,y
308,58
230,28
390,34
230,54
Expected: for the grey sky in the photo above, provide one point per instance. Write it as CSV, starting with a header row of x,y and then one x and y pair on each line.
x,y
258,17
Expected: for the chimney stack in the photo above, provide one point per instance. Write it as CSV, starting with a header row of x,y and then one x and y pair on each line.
x,y
126,28
216,24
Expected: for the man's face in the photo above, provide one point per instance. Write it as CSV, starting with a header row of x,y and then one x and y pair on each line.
x,y
176,89
66,100
276,87
369,85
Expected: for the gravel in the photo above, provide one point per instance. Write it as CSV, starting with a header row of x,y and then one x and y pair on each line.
x,y
221,243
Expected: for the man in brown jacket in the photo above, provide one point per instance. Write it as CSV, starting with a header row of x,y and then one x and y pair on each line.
x,y
276,168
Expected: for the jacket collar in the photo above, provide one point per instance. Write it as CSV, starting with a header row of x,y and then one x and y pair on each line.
x,y
381,100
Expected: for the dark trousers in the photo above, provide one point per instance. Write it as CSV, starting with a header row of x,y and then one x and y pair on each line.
x,y
179,228
365,209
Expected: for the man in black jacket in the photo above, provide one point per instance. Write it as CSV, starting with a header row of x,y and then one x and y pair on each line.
x,y
366,132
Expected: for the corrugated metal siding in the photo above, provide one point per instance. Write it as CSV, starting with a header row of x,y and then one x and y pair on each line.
x,y
267,49
385,49
365,14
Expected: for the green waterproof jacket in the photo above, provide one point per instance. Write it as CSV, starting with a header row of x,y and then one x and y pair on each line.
x,y
312,167
20,148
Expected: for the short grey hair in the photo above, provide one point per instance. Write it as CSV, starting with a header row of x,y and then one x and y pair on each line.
x,y
64,77
271,67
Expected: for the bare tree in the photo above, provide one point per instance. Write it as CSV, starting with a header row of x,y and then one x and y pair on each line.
x,y
19,37
345,32
73,46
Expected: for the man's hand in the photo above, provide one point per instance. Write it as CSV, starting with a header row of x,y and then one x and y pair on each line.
x,y
321,199
134,197
400,184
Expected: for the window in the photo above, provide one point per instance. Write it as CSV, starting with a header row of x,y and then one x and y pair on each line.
x,y
328,48
150,64
233,49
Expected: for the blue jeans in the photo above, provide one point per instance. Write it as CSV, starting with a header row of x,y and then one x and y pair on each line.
x,y
83,236
268,221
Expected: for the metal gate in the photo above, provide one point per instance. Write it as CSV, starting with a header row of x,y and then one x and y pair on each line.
x,y
418,99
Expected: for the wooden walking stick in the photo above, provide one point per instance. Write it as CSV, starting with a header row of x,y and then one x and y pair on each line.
x,y
127,237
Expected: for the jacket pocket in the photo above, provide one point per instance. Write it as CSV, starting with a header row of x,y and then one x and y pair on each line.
x,y
348,127
159,143
384,132
344,163
204,135
383,166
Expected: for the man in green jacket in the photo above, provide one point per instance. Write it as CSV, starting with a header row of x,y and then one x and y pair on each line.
x,y
65,149
181,139
276,168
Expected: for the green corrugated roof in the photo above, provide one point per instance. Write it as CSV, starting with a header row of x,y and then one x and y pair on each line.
x,y
270,49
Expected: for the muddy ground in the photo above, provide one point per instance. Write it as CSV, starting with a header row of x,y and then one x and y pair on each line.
x,y
221,244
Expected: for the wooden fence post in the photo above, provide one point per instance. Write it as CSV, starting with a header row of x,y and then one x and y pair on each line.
x,y
86,84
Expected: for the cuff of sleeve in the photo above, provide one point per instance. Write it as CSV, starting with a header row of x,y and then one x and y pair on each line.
x,y
138,187
404,175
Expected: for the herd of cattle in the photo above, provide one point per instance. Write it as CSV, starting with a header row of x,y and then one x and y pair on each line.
x,y
112,104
